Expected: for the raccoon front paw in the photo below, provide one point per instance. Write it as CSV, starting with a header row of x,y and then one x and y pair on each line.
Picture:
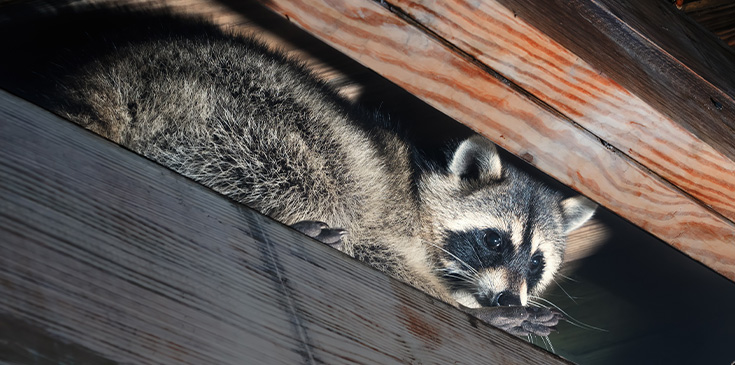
x,y
520,321
321,232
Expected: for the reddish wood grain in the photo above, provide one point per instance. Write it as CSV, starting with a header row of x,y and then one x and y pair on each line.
x,y
653,51
492,34
380,40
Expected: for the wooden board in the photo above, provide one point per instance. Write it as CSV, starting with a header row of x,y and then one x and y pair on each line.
x,y
107,257
441,73
671,64
677,67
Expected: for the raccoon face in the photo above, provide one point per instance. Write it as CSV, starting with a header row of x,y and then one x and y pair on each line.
x,y
500,235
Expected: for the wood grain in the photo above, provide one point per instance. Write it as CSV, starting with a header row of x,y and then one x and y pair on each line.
x,y
662,57
108,257
656,54
467,92
493,35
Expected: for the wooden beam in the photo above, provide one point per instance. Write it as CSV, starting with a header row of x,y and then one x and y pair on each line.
x,y
543,131
671,64
652,50
107,257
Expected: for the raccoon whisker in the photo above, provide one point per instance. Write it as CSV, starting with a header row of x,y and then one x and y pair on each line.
x,y
455,257
568,278
450,270
577,323
466,280
476,293
538,304
474,251
547,341
532,339
563,290
571,320
459,275
540,300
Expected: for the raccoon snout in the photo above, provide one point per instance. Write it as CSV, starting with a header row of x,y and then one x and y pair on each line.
x,y
502,299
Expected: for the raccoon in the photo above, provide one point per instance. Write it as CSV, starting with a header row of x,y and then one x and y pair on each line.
x,y
261,129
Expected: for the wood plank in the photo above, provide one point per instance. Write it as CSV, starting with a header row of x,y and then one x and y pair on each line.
x,y
466,91
108,257
654,52
491,34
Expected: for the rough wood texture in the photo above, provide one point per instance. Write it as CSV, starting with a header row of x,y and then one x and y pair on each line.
x,y
413,58
664,58
106,257
657,54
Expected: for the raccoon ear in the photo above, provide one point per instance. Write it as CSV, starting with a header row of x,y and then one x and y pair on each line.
x,y
476,158
576,210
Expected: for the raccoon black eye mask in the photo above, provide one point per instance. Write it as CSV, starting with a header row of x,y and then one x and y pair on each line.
x,y
258,127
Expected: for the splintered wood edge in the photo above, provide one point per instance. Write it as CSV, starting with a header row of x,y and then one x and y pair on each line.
x,y
107,256
382,41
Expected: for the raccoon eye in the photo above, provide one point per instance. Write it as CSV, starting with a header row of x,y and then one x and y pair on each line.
x,y
493,240
536,263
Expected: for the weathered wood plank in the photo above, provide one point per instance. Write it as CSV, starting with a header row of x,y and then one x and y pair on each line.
x,y
491,33
466,91
660,56
106,256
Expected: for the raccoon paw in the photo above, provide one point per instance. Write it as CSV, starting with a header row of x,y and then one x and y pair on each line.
x,y
321,232
520,321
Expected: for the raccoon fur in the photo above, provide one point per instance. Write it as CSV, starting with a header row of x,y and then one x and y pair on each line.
x,y
258,127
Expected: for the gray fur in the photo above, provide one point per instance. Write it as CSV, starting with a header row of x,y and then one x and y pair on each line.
x,y
260,129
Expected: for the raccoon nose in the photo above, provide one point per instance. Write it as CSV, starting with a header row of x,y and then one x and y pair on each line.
x,y
505,298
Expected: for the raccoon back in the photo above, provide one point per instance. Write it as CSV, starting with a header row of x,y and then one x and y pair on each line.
x,y
222,109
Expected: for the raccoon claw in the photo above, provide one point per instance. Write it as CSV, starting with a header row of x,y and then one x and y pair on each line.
x,y
520,321
332,237
321,232
310,228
